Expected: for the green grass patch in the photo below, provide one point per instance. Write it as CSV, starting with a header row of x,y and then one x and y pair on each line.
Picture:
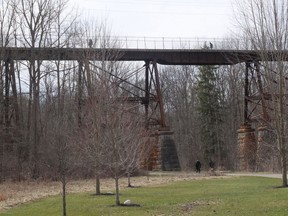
x,y
227,196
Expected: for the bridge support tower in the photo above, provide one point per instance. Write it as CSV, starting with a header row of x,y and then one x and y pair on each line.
x,y
163,152
252,135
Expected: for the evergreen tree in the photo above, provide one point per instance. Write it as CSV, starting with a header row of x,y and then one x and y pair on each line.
x,y
210,113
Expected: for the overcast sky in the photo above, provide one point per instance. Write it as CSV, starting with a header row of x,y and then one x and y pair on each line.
x,y
162,18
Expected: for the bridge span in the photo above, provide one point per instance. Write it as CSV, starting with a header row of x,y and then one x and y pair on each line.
x,y
160,56
151,95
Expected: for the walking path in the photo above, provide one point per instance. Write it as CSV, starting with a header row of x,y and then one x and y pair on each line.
x,y
268,175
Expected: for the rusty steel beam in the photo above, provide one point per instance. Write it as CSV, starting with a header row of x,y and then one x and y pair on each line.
x,y
265,115
246,92
160,56
159,96
147,93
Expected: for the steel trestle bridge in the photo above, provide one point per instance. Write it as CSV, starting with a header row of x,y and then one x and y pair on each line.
x,y
152,57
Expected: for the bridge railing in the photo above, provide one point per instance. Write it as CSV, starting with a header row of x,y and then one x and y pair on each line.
x,y
78,41
170,43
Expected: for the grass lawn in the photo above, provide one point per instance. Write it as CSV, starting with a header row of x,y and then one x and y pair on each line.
x,y
226,196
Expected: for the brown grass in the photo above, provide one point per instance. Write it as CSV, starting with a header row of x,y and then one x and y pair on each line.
x,y
3,197
14,193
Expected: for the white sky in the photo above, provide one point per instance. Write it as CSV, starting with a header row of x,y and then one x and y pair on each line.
x,y
162,18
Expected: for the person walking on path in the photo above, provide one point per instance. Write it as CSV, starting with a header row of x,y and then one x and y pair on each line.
x,y
198,166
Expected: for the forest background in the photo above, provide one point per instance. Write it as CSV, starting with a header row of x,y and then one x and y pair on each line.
x,y
64,118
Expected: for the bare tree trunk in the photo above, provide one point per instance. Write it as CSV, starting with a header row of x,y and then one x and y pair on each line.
x,y
1,158
1,121
284,168
7,98
18,120
35,117
80,92
64,193
1,152
98,192
6,104
117,190
282,140
129,179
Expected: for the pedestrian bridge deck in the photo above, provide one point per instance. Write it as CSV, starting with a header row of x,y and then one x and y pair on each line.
x,y
161,56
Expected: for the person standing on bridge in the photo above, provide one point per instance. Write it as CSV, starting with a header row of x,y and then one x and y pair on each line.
x,y
211,45
90,43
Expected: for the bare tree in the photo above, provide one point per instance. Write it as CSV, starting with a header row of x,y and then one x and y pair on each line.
x,y
265,24
123,141
114,134
34,19
91,136
8,85
60,148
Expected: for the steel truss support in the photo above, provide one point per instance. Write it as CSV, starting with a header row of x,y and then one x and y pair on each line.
x,y
149,95
153,100
255,95
10,100
250,149
163,154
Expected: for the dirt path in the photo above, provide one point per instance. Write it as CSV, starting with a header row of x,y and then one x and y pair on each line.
x,y
15,193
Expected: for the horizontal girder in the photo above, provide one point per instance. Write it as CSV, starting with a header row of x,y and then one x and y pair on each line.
x,y
161,56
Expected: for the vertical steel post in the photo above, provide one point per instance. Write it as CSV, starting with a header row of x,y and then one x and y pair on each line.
x,y
14,92
265,116
159,96
80,92
246,92
7,96
147,92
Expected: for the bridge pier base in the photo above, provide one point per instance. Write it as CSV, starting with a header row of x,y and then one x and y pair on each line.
x,y
169,156
247,148
163,154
